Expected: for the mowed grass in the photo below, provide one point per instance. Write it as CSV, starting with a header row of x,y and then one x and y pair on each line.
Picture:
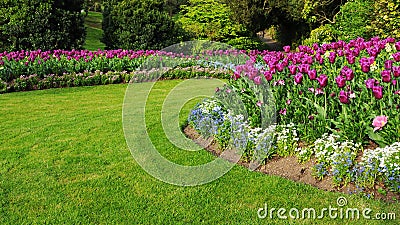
x,y
64,160
94,31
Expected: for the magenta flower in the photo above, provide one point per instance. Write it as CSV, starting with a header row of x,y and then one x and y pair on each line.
x,y
283,112
344,97
394,82
332,57
268,75
286,49
257,80
396,71
340,81
370,83
377,91
298,78
259,103
379,122
310,117
312,74
304,68
386,76
396,56
319,91
397,46
347,72
322,80
351,59
292,69
388,64
288,101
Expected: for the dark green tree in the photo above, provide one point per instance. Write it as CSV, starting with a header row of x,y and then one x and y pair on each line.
x,y
41,24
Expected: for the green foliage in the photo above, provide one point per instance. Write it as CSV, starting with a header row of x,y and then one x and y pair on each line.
x,y
136,24
247,43
249,13
37,24
353,20
360,18
209,19
386,22
322,34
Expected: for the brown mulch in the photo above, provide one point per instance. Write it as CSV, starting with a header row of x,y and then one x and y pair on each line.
x,y
290,168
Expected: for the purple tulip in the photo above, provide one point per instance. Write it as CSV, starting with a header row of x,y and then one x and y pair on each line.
x,y
322,80
388,64
347,72
396,56
344,97
268,75
312,74
370,83
304,68
332,57
298,78
257,80
377,91
340,81
351,59
397,46
286,49
396,71
386,76
292,69
394,82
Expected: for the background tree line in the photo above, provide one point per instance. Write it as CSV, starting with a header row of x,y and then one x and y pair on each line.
x,y
154,24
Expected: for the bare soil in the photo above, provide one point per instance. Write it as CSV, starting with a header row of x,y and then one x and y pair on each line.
x,y
290,168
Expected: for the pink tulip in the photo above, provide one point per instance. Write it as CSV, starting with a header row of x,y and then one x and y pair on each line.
x,y
298,78
386,76
340,81
379,122
322,80
344,97
377,91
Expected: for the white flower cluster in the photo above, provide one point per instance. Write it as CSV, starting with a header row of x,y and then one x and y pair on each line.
x,y
388,157
389,48
288,130
209,105
327,147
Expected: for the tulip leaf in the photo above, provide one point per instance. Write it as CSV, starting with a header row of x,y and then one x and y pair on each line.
x,y
377,138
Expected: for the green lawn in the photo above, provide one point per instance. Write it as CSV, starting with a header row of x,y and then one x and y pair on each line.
x,y
64,160
94,32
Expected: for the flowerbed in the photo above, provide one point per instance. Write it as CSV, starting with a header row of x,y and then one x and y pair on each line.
x,y
332,102
327,102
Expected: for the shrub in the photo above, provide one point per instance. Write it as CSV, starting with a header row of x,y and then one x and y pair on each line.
x,y
137,24
386,18
354,20
37,24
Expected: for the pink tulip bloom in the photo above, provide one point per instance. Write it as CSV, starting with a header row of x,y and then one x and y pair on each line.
x,y
344,97
386,76
340,81
257,80
377,91
322,80
379,122
298,78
